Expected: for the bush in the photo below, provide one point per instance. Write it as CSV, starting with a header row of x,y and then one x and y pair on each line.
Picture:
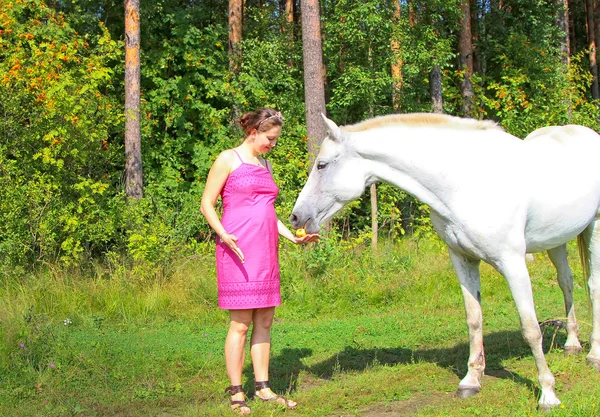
x,y
58,129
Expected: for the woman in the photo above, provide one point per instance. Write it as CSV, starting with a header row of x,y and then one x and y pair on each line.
x,y
247,250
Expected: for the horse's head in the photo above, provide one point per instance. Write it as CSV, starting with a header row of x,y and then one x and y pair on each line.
x,y
338,176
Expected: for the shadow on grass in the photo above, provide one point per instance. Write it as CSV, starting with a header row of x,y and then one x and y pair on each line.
x,y
499,346
283,371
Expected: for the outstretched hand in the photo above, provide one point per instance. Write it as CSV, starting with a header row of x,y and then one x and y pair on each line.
x,y
307,238
230,240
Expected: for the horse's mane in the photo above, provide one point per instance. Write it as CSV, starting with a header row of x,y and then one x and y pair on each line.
x,y
422,119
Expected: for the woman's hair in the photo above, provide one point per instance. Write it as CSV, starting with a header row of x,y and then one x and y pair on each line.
x,y
261,120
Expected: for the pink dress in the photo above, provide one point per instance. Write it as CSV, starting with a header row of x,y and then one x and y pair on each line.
x,y
249,213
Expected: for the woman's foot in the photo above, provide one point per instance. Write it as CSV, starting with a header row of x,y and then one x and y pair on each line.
x,y
263,391
237,402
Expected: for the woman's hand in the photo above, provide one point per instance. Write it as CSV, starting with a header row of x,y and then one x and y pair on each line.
x,y
306,238
230,240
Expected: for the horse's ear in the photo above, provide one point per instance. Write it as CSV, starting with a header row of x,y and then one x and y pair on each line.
x,y
333,131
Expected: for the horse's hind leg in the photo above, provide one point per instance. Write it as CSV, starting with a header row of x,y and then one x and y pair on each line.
x,y
558,256
468,275
592,240
512,266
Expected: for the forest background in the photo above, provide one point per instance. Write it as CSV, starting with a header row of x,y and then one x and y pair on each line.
x,y
62,159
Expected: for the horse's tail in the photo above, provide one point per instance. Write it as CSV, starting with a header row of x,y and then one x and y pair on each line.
x,y
583,245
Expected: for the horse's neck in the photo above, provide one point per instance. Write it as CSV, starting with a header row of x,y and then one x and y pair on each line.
x,y
429,164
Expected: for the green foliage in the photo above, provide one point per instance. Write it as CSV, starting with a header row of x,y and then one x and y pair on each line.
x,y
526,84
57,151
358,51
427,39
61,146
529,97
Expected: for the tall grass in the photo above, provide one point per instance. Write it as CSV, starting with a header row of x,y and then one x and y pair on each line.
x,y
325,279
359,331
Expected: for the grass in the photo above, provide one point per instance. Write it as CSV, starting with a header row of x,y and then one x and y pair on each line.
x,y
359,334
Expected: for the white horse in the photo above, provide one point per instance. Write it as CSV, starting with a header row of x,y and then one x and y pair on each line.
x,y
493,197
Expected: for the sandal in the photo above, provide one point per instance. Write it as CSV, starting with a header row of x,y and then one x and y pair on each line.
x,y
237,405
260,385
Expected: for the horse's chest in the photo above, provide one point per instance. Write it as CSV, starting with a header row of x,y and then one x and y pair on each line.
x,y
457,237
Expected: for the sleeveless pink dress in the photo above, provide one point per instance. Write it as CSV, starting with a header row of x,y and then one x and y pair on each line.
x,y
249,213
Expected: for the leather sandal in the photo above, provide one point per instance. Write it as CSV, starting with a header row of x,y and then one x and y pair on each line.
x,y
237,405
260,385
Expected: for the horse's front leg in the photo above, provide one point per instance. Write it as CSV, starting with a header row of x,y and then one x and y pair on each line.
x,y
558,256
467,271
512,267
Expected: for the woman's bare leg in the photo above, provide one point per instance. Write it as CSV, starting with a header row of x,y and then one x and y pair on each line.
x,y
260,350
235,348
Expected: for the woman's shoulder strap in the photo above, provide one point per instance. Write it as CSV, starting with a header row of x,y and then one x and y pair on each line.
x,y
238,155
268,165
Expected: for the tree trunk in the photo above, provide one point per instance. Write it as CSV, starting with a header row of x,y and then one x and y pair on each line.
x,y
562,21
236,9
314,77
235,35
596,5
571,29
475,34
435,73
289,28
397,63
466,57
134,184
435,86
374,220
591,36
406,207
412,15
289,13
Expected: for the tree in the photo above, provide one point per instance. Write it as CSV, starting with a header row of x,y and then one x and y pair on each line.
x,y
314,77
570,17
475,33
435,85
133,146
235,46
289,18
591,36
596,11
466,57
435,75
235,35
396,60
288,27
562,21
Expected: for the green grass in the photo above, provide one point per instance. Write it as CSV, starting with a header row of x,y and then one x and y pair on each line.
x,y
359,334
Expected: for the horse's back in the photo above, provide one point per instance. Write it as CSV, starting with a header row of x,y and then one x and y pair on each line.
x,y
570,141
569,152
563,133
564,182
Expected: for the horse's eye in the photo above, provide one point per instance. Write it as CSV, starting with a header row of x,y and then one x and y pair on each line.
x,y
321,165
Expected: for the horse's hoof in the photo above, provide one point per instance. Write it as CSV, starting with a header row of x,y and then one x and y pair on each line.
x,y
594,363
572,350
545,407
467,392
